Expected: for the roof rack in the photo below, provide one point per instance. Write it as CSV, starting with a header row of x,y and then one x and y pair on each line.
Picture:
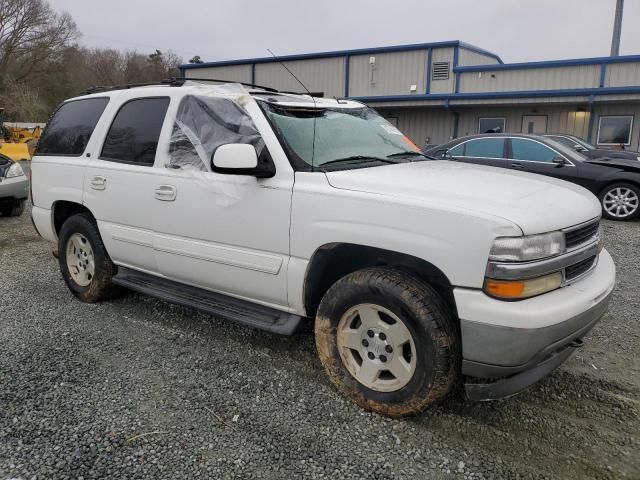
x,y
172,82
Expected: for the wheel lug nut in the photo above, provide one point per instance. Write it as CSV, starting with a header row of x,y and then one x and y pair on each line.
x,y
388,349
382,336
370,333
365,343
383,358
371,355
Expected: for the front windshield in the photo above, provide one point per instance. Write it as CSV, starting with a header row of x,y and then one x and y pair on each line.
x,y
343,136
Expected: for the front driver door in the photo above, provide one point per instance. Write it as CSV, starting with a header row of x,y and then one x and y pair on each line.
x,y
225,233
532,156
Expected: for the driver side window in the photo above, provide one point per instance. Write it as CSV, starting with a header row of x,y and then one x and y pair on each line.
x,y
457,151
525,149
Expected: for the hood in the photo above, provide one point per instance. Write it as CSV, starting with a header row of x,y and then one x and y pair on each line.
x,y
535,203
620,163
605,153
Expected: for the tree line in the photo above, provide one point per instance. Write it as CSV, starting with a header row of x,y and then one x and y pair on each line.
x,y
42,62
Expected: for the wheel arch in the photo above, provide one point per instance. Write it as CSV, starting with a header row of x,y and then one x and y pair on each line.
x,y
61,210
332,261
612,181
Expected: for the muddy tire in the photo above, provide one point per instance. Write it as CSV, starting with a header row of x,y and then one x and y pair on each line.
x,y
84,263
14,209
388,341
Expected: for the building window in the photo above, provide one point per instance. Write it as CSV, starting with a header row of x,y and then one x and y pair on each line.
x,y
491,124
615,130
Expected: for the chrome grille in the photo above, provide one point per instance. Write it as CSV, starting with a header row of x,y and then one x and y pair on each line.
x,y
578,269
581,235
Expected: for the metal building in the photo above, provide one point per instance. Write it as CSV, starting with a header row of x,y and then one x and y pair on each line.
x,y
443,90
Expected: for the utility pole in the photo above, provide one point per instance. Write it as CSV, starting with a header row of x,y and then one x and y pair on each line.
x,y
617,29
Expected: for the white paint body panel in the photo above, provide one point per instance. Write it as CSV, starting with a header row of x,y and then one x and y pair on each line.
x,y
254,238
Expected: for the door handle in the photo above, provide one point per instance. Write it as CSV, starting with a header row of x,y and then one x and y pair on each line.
x,y
166,193
517,165
98,183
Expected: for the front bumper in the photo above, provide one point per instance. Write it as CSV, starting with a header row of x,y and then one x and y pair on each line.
x,y
503,339
15,188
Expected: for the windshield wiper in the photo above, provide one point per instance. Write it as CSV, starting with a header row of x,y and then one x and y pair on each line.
x,y
407,153
358,159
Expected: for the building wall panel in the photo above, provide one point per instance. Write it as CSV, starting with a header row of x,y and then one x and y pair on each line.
x,y
622,75
324,75
233,73
583,76
443,86
392,73
469,57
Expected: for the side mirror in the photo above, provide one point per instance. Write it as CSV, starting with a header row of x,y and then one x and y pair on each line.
x,y
559,162
446,155
579,148
240,159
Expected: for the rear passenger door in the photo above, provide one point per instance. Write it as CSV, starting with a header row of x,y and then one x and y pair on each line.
x,y
120,179
482,151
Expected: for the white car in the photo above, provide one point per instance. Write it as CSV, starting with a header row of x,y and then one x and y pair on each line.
x,y
274,209
14,188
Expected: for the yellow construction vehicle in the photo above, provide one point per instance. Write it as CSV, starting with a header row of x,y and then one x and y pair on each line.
x,y
18,143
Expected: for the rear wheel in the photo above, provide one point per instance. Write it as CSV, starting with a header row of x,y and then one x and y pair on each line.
x,y
620,201
14,209
84,263
388,341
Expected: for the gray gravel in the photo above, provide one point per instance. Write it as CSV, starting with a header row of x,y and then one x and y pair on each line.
x,y
139,388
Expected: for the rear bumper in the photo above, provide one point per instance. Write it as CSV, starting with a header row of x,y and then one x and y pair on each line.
x,y
504,339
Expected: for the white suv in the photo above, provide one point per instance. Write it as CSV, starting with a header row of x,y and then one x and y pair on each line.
x,y
270,209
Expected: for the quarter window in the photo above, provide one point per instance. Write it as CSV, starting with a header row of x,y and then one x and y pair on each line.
x,y
524,149
491,124
615,130
134,133
485,148
71,127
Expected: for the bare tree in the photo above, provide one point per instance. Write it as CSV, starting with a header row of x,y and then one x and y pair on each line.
x,y
31,35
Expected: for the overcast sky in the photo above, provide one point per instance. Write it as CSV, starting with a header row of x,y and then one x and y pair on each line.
x,y
517,30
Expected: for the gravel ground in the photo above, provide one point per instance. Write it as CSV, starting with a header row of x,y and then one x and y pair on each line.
x,y
139,388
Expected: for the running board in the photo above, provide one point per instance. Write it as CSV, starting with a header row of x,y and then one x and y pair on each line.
x,y
216,304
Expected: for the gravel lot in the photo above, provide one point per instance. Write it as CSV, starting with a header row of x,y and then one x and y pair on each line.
x,y
139,388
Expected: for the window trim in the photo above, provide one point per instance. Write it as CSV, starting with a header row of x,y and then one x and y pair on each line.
x,y
44,131
113,119
600,117
478,138
504,120
569,164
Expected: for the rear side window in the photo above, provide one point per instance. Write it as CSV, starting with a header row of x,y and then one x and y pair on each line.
x,y
485,148
523,149
71,126
134,133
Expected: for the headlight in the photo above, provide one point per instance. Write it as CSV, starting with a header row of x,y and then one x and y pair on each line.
x,y
638,158
15,170
519,289
524,249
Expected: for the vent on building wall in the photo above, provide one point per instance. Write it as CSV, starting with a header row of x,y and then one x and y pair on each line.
x,y
440,71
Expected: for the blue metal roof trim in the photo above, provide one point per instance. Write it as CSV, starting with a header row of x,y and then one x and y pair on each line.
x,y
342,53
549,64
516,94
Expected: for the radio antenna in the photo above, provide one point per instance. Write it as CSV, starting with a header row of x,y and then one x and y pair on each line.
x,y
315,106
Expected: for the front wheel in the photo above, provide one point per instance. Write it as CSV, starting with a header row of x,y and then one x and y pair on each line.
x,y
388,341
620,201
84,263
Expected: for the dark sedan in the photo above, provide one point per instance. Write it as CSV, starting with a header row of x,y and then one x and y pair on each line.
x,y
615,181
589,150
